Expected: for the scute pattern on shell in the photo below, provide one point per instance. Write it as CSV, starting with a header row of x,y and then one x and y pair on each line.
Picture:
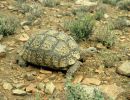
x,y
51,48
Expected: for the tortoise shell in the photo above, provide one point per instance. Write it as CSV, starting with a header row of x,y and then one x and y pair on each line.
x,y
53,49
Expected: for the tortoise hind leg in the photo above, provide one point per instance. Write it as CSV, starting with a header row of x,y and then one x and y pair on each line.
x,y
21,62
73,69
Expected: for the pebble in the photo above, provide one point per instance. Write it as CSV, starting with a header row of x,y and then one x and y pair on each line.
x,y
29,77
25,23
111,90
93,81
2,50
86,3
78,79
12,8
7,86
19,92
1,37
26,28
41,86
124,68
45,72
3,97
49,88
19,85
31,88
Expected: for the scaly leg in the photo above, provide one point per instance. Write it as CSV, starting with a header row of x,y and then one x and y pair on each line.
x,y
72,69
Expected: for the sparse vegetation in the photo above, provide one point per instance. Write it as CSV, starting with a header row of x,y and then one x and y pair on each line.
x,y
102,24
22,6
124,5
81,27
120,23
109,58
106,36
8,25
37,96
51,3
78,92
99,15
112,2
82,9
32,11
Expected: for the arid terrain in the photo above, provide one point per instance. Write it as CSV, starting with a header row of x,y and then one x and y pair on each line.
x,y
108,69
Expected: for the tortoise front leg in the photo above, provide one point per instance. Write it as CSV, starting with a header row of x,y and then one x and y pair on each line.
x,y
73,69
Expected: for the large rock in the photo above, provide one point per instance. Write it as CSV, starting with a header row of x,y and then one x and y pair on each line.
x,y
124,69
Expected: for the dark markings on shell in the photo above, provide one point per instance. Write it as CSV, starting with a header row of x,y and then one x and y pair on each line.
x,y
54,50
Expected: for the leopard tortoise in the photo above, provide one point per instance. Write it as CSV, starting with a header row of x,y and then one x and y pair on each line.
x,y
52,49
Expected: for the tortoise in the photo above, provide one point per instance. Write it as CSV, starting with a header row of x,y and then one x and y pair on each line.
x,y
52,49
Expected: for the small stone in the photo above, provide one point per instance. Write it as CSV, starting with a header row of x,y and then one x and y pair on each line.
x,y
2,50
59,86
25,23
7,86
45,72
2,6
78,79
124,69
49,88
58,16
93,81
112,90
100,46
11,8
85,3
19,85
37,21
1,37
26,28
41,77
22,37
31,88
29,77
19,92
41,86
41,1
3,97
106,16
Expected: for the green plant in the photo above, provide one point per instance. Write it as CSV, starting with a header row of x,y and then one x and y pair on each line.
x,y
106,36
8,25
22,6
79,10
99,14
81,27
120,23
80,92
124,4
109,58
37,96
36,10
51,3
112,2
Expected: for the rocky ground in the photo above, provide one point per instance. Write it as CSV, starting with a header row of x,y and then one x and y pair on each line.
x,y
32,83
